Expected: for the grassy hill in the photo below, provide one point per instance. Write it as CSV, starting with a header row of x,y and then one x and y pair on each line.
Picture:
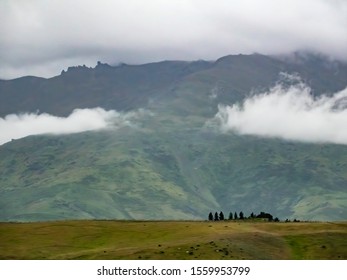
x,y
173,240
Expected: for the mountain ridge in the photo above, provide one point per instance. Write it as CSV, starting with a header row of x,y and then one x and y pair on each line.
x,y
169,164
128,87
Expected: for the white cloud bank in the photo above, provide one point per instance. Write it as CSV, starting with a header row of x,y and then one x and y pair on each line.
x,y
18,126
290,113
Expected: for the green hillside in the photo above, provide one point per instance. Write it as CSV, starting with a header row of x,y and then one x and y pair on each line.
x,y
171,163
136,174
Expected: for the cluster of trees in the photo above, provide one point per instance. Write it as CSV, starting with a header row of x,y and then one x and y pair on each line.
x,y
220,216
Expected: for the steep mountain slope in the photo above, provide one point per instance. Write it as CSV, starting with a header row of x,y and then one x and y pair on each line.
x,y
123,87
138,174
169,164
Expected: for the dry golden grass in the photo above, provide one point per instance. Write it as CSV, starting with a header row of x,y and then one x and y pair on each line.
x,y
172,240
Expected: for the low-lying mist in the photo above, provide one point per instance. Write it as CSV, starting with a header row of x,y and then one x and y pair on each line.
x,y
289,112
16,126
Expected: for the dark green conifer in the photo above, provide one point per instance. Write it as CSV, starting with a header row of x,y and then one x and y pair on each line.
x,y
216,216
230,216
221,216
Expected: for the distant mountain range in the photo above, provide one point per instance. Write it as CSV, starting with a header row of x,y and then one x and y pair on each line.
x,y
170,164
126,87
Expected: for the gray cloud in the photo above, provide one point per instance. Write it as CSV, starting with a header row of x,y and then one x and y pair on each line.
x,y
290,113
41,38
18,126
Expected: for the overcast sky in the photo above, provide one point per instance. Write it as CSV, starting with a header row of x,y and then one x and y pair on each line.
x,y
40,37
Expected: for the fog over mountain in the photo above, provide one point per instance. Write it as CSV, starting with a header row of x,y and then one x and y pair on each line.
x,y
18,126
290,113
41,40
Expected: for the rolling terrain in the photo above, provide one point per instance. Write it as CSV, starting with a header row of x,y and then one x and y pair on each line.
x,y
173,240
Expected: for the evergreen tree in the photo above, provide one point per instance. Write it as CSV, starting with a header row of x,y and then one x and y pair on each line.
x,y
230,216
241,215
210,216
252,215
221,216
216,217
235,216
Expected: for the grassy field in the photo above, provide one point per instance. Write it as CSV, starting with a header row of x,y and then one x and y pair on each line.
x,y
172,240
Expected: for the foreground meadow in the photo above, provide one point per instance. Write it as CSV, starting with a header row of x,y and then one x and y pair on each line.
x,y
173,240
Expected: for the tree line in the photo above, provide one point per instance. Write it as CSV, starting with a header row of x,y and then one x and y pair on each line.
x,y
241,216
